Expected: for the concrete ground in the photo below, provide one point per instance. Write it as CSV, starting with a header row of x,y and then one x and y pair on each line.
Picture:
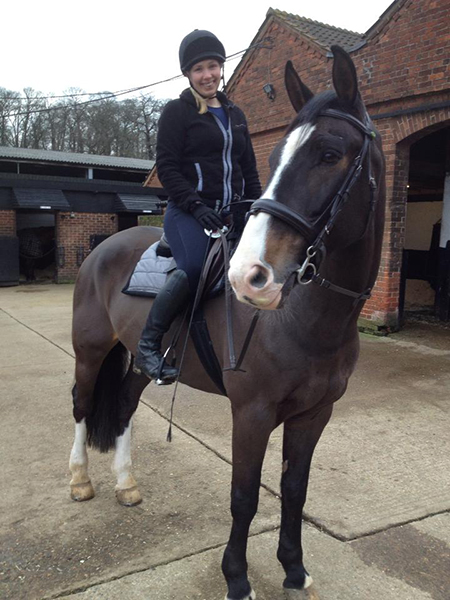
x,y
378,524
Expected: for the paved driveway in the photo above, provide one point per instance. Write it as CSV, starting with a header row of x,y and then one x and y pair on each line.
x,y
377,511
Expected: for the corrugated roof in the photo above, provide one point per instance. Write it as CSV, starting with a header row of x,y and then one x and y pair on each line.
x,y
30,198
138,203
322,34
87,160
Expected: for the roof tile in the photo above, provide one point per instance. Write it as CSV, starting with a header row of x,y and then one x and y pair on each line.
x,y
322,34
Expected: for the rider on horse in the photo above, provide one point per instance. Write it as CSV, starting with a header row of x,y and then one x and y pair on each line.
x,y
205,161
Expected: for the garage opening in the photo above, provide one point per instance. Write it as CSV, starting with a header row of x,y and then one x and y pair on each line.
x,y
426,260
36,233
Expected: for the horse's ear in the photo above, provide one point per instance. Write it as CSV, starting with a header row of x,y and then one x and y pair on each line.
x,y
298,92
345,79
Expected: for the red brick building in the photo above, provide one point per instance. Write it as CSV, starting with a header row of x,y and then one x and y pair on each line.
x,y
404,74
58,205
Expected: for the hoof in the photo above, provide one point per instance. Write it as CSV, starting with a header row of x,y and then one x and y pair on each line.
x,y
251,596
129,497
308,593
82,491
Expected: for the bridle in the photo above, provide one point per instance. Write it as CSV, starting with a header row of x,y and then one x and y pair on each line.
x,y
315,234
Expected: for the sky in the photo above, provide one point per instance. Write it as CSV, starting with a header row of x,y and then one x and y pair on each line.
x,y
52,46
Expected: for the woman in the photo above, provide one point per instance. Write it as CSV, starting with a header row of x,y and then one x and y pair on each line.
x,y
205,161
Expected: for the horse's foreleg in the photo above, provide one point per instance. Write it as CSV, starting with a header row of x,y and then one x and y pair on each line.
x,y
251,430
300,438
127,492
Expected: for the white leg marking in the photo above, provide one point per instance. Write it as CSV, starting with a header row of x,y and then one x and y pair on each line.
x,y
294,141
78,457
122,460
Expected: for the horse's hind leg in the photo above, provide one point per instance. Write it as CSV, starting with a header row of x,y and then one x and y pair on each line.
x,y
300,438
86,371
93,339
127,492
80,484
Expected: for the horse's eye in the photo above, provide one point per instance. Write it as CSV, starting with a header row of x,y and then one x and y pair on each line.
x,y
330,157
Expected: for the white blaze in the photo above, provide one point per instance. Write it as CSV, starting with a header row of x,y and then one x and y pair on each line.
x,y
251,248
252,244
294,141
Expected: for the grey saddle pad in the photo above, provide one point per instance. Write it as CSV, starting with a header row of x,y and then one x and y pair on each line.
x,y
150,273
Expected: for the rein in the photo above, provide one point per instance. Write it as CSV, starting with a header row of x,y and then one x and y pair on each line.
x,y
314,235
235,365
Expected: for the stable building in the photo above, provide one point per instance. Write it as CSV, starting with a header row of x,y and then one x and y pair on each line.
x,y
56,206
404,77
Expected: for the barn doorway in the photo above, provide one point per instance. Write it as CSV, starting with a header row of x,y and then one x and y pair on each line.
x,y
426,257
36,233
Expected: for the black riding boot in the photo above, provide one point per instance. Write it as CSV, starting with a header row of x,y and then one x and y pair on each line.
x,y
169,302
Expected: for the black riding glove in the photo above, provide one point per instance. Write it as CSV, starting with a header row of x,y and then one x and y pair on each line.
x,y
207,217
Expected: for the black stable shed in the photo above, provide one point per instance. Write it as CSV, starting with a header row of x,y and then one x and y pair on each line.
x,y
54,203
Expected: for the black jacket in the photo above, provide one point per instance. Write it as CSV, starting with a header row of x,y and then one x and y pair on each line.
x,y
197,159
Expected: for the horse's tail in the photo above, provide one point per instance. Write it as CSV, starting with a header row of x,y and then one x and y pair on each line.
x,y
103,425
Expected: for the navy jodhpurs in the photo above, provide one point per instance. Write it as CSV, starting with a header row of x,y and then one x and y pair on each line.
x,y
188,242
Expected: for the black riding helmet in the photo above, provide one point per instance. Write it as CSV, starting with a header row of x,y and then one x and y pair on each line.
x,y
200,45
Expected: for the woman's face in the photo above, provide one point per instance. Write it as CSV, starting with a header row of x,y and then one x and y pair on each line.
x,y
205,77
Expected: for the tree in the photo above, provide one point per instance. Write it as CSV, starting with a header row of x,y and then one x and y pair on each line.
x,y
100,125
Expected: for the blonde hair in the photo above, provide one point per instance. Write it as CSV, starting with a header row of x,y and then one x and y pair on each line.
x,y
202,105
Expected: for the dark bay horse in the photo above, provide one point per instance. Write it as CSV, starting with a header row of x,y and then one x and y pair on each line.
x,y
311,247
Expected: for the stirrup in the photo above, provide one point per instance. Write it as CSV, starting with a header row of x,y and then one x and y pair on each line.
x,y
158,379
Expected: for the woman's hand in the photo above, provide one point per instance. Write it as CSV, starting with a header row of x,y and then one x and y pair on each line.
x,y
207,217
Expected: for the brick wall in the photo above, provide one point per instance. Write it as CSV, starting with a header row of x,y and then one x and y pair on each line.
x,y
409,55
263,144
267,66
398,135
73,236
8,222
404,65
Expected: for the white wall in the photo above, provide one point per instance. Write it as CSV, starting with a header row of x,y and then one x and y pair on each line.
x,y
445,229
420,218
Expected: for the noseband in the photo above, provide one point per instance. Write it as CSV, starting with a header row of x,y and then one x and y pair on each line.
x,y
314,234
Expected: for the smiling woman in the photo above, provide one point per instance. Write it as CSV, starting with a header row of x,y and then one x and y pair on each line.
x,y
205,162
205,79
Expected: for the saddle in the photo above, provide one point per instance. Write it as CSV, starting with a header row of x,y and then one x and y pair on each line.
x,y
156,264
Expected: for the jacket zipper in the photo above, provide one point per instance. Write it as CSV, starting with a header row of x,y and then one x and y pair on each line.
x,y
226,159
199,187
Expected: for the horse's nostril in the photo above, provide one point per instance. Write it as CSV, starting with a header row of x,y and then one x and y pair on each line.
x,y
259,280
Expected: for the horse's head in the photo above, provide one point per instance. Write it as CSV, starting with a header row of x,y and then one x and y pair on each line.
x,y
321,193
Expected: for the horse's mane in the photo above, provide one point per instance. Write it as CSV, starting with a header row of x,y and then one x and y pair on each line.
x,y
316,105
313,108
